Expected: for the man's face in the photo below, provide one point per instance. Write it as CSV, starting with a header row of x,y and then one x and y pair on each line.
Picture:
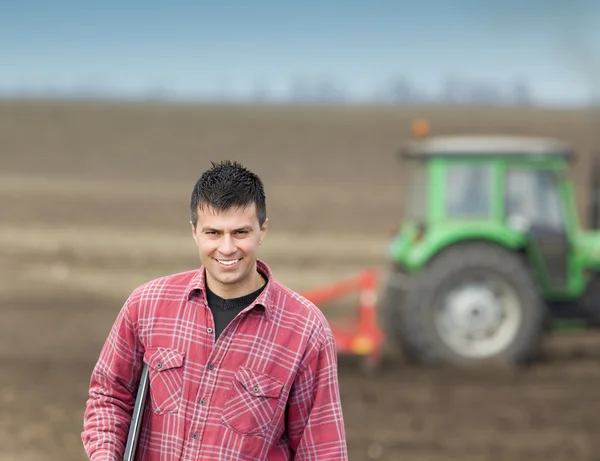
x,y
228,242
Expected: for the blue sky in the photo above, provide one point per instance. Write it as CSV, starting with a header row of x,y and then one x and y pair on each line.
x,y
195,48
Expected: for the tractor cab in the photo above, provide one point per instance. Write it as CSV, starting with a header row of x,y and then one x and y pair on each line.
x,y
512,190
490,247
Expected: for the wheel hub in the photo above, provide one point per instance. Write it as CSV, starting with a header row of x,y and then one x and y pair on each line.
x,y
475,309
479,319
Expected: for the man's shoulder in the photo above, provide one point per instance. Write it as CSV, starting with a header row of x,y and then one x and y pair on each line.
x,y
295,305
170,285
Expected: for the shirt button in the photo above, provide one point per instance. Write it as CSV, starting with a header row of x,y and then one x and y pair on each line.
x,y
194,435
202,402
211,366
209,330
159,365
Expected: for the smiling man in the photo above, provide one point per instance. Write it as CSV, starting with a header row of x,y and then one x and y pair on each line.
x,y
241,367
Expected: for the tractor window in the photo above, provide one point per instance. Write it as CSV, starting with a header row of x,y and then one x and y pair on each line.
x,y
468,191
533,196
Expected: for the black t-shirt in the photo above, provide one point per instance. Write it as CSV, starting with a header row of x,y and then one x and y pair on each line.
x,y
225,310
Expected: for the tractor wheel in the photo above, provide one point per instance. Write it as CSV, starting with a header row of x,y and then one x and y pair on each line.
x,y
474,303
389,314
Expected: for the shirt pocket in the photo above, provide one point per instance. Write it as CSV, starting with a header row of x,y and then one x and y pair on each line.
x,y
252,403
165,370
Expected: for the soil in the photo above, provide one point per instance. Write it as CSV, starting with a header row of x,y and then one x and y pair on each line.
x,y
94,201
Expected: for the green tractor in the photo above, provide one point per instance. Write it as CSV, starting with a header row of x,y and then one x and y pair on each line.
x,y
490,255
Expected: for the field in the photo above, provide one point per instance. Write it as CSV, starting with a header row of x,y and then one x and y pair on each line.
x,y
94,201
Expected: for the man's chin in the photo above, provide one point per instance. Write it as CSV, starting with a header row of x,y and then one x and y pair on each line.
x,y
225,276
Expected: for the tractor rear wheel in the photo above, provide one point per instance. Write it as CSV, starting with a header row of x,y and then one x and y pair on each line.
x,y
389,313
474,303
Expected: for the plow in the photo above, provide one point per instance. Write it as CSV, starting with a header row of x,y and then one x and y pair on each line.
x,y
360,334
489,258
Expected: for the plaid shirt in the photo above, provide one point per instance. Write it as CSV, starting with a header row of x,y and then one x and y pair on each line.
x,y
267,389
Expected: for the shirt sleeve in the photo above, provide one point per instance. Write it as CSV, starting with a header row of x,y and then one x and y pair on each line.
x,y
314,418
112,391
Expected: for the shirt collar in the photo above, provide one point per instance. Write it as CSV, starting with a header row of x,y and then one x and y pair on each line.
x,y
265,299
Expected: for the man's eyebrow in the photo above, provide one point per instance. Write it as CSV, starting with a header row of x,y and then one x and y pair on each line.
x,y
243,228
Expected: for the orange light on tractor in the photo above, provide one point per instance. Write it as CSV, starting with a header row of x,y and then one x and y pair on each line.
x,y
420,128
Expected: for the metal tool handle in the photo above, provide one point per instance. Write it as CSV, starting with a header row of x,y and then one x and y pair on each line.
x,y
136,418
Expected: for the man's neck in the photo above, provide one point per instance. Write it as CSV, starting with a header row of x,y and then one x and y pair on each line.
x,y
226,291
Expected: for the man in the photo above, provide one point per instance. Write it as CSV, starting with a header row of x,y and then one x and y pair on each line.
x,y
241,367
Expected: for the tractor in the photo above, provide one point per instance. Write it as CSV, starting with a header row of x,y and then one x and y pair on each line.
x,y
490,255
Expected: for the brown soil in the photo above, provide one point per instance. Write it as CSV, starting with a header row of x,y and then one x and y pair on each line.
x,y
94,201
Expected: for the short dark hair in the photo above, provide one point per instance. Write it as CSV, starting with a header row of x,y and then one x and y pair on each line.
x,y
225,185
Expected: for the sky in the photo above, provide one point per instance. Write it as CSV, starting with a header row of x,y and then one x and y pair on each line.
x,y
191,49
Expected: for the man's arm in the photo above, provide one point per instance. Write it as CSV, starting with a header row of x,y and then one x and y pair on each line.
x,y
314,419
113,386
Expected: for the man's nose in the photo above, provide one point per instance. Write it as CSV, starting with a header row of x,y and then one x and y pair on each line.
x,y
227,245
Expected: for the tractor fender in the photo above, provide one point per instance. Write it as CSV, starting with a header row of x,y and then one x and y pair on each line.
x,y
416,256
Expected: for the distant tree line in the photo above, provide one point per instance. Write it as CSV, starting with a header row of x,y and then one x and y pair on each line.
x,y
397,90
400,90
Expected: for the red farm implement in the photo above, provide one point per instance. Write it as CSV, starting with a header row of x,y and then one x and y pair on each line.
x,y
359,334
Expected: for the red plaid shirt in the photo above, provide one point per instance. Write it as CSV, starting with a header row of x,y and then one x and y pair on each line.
x,y
267,389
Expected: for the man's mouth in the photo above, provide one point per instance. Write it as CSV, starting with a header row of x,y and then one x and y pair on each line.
x,y
227,262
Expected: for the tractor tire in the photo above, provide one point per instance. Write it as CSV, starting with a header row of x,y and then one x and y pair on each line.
x,y
437,325
389,314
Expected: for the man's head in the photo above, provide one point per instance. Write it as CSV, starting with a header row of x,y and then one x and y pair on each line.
x,y
229,222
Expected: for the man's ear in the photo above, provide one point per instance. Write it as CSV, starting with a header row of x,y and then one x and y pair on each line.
x,y
263,231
